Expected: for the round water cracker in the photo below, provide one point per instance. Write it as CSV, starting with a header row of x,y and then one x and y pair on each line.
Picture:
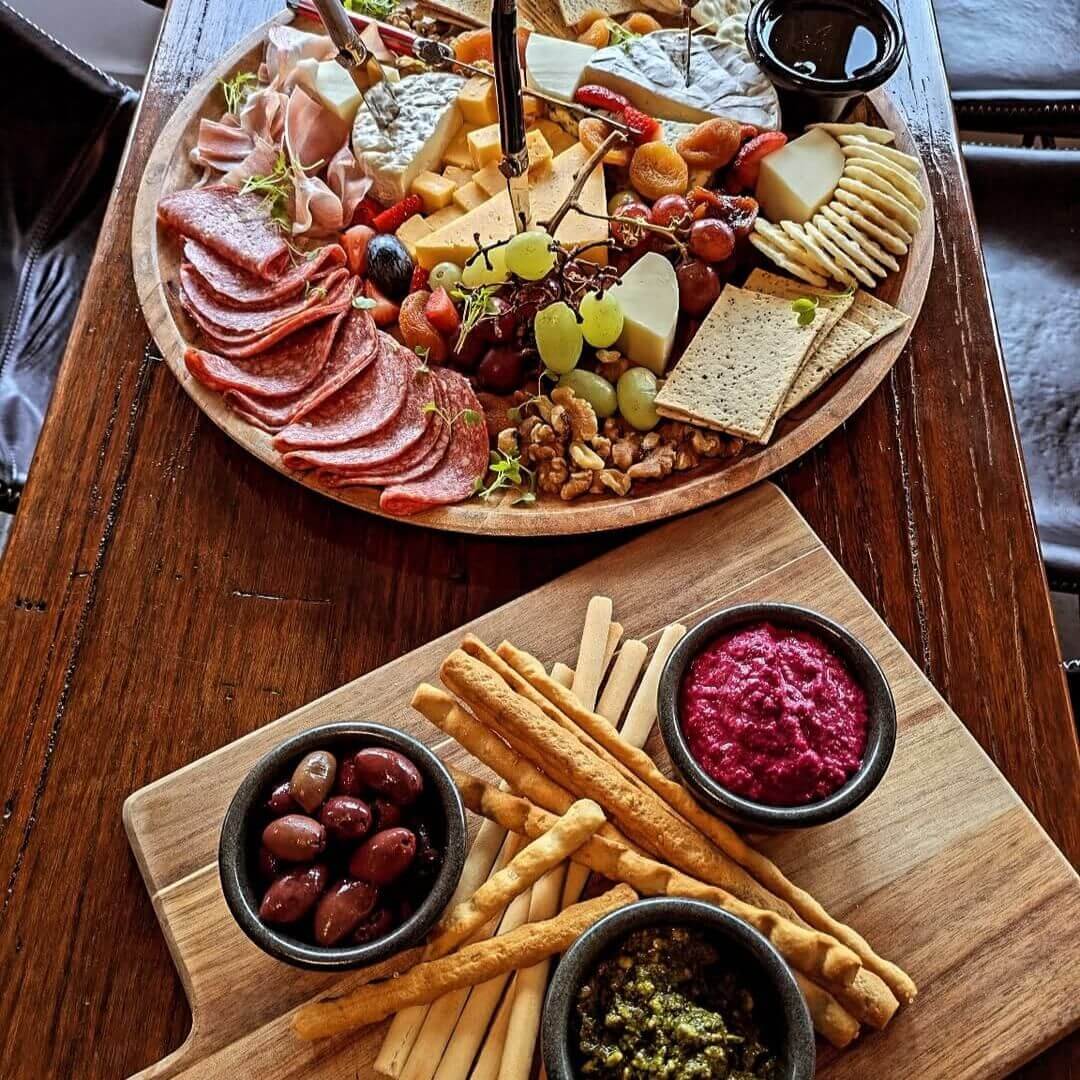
x,y
889,234
792,248
890,153
851,249
852,231
839,255
857,171
900,178
874,134
771,251
799,232
885,204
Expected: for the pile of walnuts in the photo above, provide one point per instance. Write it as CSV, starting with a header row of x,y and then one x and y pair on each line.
x,y
572,454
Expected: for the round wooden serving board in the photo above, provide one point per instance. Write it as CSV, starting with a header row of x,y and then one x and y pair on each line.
x,y
155,256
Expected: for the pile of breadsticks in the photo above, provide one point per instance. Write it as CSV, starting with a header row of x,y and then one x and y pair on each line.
x,y
579,794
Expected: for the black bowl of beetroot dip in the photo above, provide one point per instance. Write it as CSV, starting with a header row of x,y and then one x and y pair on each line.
x,y
776,717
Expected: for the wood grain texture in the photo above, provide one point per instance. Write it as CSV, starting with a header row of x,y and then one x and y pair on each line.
x,y
942,869
156,262
163,593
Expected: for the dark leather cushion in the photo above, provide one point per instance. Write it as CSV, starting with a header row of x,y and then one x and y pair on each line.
x,y
1027,211
996,45
64,124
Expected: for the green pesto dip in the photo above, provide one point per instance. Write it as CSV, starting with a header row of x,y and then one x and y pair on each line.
x,y
663,1005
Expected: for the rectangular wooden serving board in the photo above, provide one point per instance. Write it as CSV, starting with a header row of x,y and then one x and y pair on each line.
x,y
942,869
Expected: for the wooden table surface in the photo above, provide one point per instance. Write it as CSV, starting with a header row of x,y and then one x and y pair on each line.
x,y
163,593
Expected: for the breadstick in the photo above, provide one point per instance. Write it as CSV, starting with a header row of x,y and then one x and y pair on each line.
x,y
614,636
563,675
590,666
721,834
470,966
642,713
831,1019
621,680
487,1064
530,864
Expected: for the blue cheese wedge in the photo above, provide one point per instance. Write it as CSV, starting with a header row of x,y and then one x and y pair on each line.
x,y
723,80
415,140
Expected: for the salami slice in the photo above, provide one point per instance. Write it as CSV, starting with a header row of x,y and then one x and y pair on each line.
x,y
355,347
466,459
413,433
236,288
364,405
232,225
277,373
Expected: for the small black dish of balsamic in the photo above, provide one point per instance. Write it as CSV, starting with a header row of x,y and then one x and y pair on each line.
x,y
821,53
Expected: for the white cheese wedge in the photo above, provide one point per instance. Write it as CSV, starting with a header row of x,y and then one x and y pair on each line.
x,y
416,138
329,84
554,66
724,81
649,295
797,180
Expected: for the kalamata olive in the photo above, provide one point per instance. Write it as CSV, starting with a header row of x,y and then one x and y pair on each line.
x,y
269,864
378,924
390,774
384,857
428,857
342,908
347,782
405,909
281,800
313,778
387,814
346,817
295,838
293,894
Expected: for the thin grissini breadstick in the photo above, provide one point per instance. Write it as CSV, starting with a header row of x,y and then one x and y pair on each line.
x,y
641,715
469,966
831,1019
614,636
722,835
562,674
530,864
590,666
621,681
487,1064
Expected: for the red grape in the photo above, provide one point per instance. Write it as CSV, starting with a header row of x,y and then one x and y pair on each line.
x,y
670,210
501,370
699,286
628,235
712,240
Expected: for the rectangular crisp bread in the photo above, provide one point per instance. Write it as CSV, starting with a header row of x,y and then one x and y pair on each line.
x,y
740,365
474,12
832,306
573,11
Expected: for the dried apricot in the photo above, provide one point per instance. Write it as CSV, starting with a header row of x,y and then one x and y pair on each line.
x,y
657,169
710,145
417,330
591,16
641,22
474,45
592,131
598,35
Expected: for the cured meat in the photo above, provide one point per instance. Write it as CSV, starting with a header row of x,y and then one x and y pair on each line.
x,y
364,405
354,348
221,144
229,323
235,288
466,459
413,433
275,374
233,225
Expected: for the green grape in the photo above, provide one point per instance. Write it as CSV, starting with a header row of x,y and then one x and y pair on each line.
x,y
558,337
595,389
477,271
530,255
636,391
601,319
444,275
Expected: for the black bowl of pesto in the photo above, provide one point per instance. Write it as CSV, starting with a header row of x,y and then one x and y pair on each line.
x,y
675,989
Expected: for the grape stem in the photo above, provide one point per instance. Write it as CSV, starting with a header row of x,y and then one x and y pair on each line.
x,y
572,196
634,223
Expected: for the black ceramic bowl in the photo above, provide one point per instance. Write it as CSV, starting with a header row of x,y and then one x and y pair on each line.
x,y
881,715
790,1032
237,850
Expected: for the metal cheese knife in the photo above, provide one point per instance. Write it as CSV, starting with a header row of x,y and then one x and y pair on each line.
x,y
356,58
515,161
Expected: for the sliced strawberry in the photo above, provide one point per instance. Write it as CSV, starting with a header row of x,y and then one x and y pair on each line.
x,y
643,128
392,219
367,210
355,242
441,313
419,278
600,97
744,169
385,311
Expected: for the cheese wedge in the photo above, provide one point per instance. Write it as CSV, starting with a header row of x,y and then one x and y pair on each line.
x,y
330,85
494,220
649,296
554,66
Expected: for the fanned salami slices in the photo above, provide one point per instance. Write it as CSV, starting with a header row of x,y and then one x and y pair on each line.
x,y
230,224
364,405
234,287
355,347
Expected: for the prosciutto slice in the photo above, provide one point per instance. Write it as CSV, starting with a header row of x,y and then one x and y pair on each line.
x,y
260,162
466,459
232,225
278,373
355,347
364,405
235,288
221,144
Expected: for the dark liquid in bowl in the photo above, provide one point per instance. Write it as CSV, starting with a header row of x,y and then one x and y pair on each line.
x,y
832,41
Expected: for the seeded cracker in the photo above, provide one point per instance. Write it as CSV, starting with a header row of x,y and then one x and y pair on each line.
x,y
738,369
573,11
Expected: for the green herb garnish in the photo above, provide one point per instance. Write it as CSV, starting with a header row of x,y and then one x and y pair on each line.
x,y
620,36
468,417
478,306
507,472
236,90
276,188
373,9
806,309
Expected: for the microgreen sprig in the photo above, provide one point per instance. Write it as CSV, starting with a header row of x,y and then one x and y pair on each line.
x,y
507,472
468,417
373,9
478,305
276,188
236,90
805,307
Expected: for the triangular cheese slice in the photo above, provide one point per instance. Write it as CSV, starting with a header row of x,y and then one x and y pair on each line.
x,y
494,219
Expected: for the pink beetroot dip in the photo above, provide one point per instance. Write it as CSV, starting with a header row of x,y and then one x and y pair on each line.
x,y
773,714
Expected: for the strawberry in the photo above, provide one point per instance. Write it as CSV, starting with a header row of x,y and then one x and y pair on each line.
x,y
600,97
392,219
367,210
385,311
744,169
643,128
419,279
441,313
